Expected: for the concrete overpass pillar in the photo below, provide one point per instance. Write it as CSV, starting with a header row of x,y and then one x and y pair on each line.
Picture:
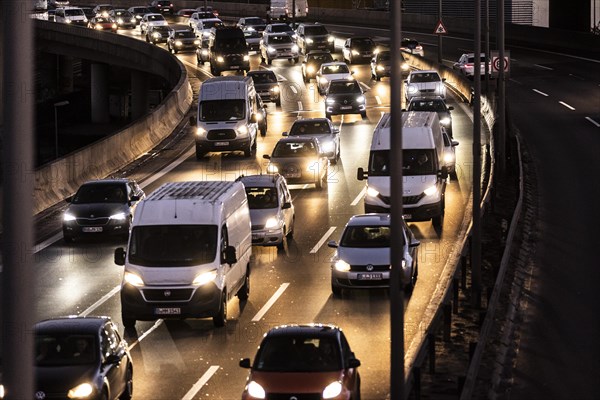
x,y
100,99
139,94
65,70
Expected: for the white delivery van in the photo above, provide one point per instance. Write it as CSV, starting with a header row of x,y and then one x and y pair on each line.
x,y
70,15
424,172
229,117
189,253
283,10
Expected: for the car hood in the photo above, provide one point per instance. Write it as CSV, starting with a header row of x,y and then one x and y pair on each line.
x,y
281,45
96,210
59,380
296,382
260,216
416,184
331,77
265,86
158,23
364,255
426,85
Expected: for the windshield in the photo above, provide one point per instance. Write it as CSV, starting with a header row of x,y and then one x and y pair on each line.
x,y
261,197
384,56
185,35
320,58
298,354
155,18
73,13
275,39
211,24
344,87
100,193
222,110
363,43
254,21
414,162
65,348
173,245
315,30
425,77
310,128
231,45
336,69
281,28
366,236
427,105
410,43
295,149
264,78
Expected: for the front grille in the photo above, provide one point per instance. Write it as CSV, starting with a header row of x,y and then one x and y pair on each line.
x,y
168,294
288,396
385,199
92,221
363,268
412,199
257,227
365,283
221,134
427,90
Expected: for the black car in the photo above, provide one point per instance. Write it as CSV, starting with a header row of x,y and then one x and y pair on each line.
x,y
123,18
81,358
88,12
182,40
163,6
101,207
381,65
435,104
158,34
314,37
345,97
358,49
266,84
228,51
138,13
312,62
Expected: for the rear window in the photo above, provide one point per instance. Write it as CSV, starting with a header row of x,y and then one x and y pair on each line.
x,y
73,12
366,236
315,30
310,128
295,149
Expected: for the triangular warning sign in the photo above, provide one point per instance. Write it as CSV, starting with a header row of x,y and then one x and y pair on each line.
x,y
440,29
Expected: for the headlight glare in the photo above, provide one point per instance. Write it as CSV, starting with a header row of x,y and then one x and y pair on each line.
x,y
275,89
133,279
309,41
330,39
82,391
220,59
272,169
431,191
205,277
445,121
178,43
295,48
310,69
119,216
271,49
380,68
330,101
360,99
242,130
412,89
69,217
342,266
255,390
200,131
328,147
332,390
372,192
197,42
246,57
448,158
272,223
355,53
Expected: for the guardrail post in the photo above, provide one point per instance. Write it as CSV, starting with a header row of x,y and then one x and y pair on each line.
x,y
431,343
447,321
455,295
417,382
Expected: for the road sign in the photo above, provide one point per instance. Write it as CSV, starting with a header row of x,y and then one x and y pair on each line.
x,y
440,29
496,63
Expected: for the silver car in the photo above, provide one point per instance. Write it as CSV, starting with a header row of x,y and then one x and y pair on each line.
x,y
271,209
323,130
424,83
278,45
362,257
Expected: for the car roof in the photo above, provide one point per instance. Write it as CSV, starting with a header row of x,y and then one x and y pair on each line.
x,y
304,329
424,71
369,219
312,119
107,181
426,98
334,63
260,180
89,325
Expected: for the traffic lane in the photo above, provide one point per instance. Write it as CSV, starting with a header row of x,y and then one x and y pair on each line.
x,y
557,355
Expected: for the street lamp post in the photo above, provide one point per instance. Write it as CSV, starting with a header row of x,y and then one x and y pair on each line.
x,y
56,105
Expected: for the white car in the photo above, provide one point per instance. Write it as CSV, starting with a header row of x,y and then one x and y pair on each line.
x,y
332,71
278,45
323,130
197,17
202,28
423,84
466,67
152,20
362,257
450,154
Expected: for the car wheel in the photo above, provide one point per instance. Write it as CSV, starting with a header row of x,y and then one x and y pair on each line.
x,y
128,323
296,60
377,78
336,290
128,392
68,238
200,153
220,320
198,62
328,116
268,61
244,291
438,221
278,102
363,115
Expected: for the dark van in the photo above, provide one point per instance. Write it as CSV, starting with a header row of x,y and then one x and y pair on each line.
x,y
228,51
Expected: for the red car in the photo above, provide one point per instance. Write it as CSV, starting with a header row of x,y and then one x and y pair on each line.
x,y
103,24
303,361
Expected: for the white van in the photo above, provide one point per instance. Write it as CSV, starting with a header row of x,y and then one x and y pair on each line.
x,y
189,253
283,10
70,15
424,171
230,115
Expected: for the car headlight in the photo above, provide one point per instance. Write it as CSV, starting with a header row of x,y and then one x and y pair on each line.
x,y
332,390
114,26
68,21
431,191
220,59
200,131
69,217
207,34
330,101
132,20
133,279
119,216
445,121
360,99
242,130
330,39
310,69
120,21
156,35
255,390
99,27
309,41
138,17
328,147
271,49
342,266
197,42
275,89
204,52
1,391
372,192
82,391
272,169
322,79
295,48
246,57
405,67
178,43
412,89
380,68
355,53
272,223
449,158
205,277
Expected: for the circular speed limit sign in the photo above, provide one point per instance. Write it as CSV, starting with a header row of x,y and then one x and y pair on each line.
x,y
496,63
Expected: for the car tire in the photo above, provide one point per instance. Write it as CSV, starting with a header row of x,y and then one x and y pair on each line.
x,y
244,291
363,115
68,238
220,319
198,62
128,323
377,78
199,153
296,60
336,290
277,103
453,175
128,392
269,61
328,116
438,221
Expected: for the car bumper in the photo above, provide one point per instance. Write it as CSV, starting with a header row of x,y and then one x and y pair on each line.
x,y
345,109
360,280
267,237
186,47
269,96
321,46
224,145
227,66
73,230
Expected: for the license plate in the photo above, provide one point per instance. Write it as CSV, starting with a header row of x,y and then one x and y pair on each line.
x,y
346,108
370,277
167,311
91,229
255,237
222,144
407,216
292,175
235,67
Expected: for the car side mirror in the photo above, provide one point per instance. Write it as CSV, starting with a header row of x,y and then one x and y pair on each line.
x,y
361,174
443,172
443,79
455,143
347,46
284,134
230,255
266,156
351,72
286,205
353,363
245,363
120,256
332,244
193,120
414,243
450,108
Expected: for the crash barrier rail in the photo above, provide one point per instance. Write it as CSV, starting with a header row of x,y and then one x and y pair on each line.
x,y
59,179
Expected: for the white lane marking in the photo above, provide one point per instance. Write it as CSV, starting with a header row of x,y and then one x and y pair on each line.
x,y
168,169
359,197
544,67
293,88
378,99
97,304
365,86
270,303
566,105
48,242
382,112
299,105
540,92
322,240
515,81
593,122
201,382
156,325
196,67
281,78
